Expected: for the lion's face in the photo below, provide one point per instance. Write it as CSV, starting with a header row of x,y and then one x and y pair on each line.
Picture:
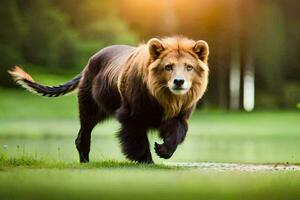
x,y
179,72
179,67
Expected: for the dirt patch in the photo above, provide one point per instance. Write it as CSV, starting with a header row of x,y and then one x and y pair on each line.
x,y
239,167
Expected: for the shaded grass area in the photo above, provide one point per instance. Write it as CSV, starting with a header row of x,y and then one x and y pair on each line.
x,y
28,178
32,163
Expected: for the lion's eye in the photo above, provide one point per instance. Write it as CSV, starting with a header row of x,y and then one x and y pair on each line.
x,y
169,67
189,67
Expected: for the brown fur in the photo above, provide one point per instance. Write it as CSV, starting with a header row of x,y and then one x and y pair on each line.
x,y
137,85
141,64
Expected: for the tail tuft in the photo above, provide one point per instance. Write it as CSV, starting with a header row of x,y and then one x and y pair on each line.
x,y
27,82
21,77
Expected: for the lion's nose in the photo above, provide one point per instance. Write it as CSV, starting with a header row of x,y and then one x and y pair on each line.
x,y
178,82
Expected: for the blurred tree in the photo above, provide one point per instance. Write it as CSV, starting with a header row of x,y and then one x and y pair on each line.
x,y
49,41
270,50
97,23
291,14
11,36
57,35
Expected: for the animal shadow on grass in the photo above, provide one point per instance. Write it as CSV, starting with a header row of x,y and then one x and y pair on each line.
x,y
29,162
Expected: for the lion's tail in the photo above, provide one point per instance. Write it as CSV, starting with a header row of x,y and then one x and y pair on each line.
x,y
26,81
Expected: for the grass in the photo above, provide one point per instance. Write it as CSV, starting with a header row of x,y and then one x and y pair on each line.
x,y
32,163
38,159
112,181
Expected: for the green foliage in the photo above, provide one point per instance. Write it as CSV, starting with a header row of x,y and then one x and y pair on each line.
x,y
266,100
98,25
11,35
57,34
49,41
291,94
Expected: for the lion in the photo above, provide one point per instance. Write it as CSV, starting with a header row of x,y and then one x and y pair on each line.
x,y
155,85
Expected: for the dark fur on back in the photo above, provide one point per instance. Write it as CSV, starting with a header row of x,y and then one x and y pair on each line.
x,y
104,96
119,82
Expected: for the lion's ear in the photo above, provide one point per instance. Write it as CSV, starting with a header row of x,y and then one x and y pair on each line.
x,y
155,47
202,50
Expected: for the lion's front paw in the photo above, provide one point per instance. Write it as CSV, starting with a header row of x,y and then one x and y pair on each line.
x,y
163,151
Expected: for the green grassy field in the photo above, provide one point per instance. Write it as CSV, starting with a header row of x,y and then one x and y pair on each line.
x,y
38,159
